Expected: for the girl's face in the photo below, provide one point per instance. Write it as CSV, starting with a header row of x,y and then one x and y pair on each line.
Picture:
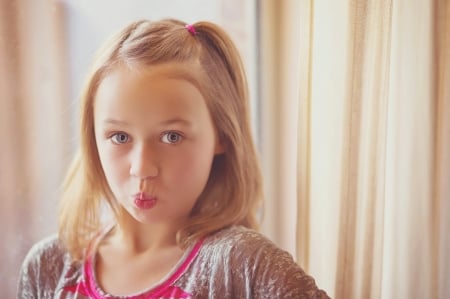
x,y
156,141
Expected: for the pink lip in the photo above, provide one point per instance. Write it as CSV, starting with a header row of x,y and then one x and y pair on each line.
x,y
144,201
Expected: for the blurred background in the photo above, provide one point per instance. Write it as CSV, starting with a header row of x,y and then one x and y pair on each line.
x,y
351,114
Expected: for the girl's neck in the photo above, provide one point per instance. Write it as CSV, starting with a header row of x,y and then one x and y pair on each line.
x,y
135,237
132,258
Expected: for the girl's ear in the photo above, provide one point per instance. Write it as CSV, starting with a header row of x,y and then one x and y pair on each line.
x,y
220,148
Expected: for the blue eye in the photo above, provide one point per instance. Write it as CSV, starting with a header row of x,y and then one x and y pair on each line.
x,y
120,138
171,137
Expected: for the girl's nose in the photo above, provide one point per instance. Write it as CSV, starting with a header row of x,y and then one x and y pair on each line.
x,y
144,163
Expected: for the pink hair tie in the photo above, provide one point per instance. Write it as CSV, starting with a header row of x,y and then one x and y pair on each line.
x,y
191,29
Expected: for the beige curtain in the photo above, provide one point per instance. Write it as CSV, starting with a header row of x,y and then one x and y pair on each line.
x,y
374,147
34,128
279,77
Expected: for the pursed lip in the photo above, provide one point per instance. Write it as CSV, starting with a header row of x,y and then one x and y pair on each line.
x,y
144,201
143,196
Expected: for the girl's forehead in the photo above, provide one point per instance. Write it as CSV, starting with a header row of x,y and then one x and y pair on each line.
x,y
189,71
158,90
141,74
154,77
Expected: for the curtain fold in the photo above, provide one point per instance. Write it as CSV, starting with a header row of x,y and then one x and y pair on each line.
x,y
34,125
373,152
441,175
279,87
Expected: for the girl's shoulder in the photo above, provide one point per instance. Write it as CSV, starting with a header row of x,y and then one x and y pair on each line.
x,y
241,239
43,267
251,261
246,248
48,251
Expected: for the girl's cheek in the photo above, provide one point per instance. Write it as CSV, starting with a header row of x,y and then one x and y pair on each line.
x,y
115,165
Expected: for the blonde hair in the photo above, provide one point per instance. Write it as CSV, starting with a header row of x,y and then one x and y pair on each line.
x,y
234,188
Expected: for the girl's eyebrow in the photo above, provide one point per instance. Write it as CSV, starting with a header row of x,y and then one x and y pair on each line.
x,y
115,121
177,120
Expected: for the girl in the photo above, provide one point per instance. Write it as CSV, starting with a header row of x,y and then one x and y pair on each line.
x,y
166,146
